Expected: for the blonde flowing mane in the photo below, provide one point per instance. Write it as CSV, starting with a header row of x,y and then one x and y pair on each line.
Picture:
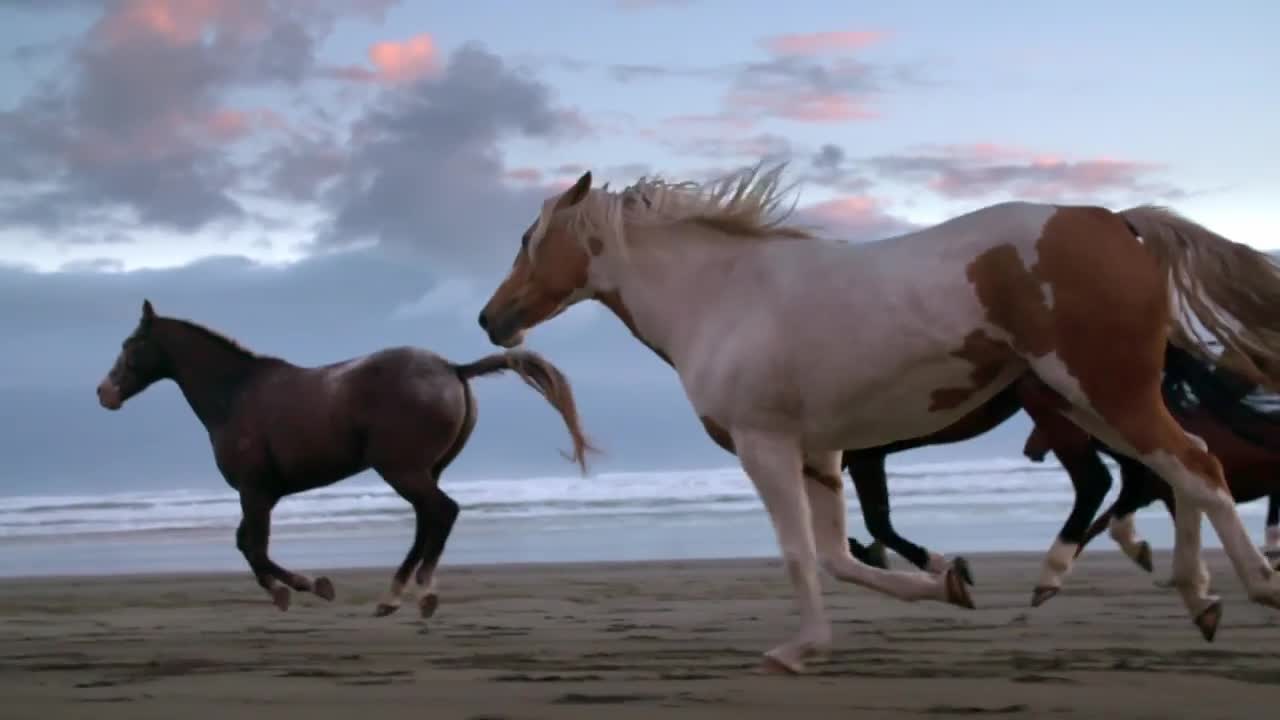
x,y
746,204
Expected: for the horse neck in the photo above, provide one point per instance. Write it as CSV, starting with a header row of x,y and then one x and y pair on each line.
x,y
667,281
209,370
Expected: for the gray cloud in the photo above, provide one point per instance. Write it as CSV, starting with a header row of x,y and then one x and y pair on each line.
x,y
138,122
424,173
967,172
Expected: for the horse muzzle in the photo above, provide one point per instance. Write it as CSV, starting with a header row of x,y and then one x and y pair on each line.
x,y
109,395
505,330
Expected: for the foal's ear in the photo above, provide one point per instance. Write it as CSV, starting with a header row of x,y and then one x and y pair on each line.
x,y
577,193
148,312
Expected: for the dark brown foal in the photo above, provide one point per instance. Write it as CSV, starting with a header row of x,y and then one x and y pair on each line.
x,y
279,429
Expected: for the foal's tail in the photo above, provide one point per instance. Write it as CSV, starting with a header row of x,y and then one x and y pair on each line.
x,y
1223,287
544,377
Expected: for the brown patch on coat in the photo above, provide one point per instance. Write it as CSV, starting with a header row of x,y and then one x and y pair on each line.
x,y
988,357
1013,298
1108,322
1205,465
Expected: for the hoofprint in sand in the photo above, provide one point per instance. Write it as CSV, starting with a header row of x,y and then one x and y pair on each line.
x,y
792,348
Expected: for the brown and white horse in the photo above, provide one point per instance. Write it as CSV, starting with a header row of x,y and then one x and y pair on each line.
x,y
793,348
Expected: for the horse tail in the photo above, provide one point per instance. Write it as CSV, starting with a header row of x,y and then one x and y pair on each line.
x,y
1226,288
544,377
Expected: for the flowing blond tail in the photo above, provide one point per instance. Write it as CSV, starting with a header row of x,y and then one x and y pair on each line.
x,y
1227,288
541,375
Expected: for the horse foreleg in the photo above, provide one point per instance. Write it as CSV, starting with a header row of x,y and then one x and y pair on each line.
x,y
774,464
252,538
1091,481
1139,487
1073,447
872,486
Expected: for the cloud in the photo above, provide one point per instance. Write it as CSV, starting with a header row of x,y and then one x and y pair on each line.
x,y
982,170
141,124
829,167
395,61
821,42
424,175
855,218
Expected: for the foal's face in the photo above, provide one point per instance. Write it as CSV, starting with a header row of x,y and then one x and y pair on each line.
x,y
141,362
549,273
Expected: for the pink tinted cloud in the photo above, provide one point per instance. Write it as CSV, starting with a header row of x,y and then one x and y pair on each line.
x,y
405,60
981,169
527,175
807,107
180,23
393,62
856,218
822,42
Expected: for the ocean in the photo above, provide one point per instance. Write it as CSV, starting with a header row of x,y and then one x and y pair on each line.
x,y
952,507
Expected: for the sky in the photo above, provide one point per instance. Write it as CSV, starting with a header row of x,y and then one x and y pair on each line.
x,y
321,178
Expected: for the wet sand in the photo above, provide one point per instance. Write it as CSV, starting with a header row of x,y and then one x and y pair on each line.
x,y
630,641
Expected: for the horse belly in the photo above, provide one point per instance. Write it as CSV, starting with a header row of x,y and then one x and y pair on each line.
x,y
908,404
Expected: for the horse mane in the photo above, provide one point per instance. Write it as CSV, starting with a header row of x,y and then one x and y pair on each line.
x,y
746,204
217,337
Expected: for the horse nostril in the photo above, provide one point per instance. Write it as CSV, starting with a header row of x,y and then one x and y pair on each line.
x,y
484,321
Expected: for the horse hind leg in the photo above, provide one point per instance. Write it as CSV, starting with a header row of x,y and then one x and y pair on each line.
x,y
1141,427
827,511
434,516
443,512
1271,537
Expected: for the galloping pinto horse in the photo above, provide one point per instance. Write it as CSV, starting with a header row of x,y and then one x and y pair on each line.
x,y
279,429
792,348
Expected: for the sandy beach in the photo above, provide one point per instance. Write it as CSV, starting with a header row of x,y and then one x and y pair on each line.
x,y
664,639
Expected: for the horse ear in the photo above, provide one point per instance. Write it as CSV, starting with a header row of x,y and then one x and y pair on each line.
x,y
577,193
148,312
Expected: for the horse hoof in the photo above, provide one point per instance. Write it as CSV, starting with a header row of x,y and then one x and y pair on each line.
x,y
962,566
957,591
1208,620
877,556
771,665
323,588
427,605
280,597
385,609
1144,557
1041,595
